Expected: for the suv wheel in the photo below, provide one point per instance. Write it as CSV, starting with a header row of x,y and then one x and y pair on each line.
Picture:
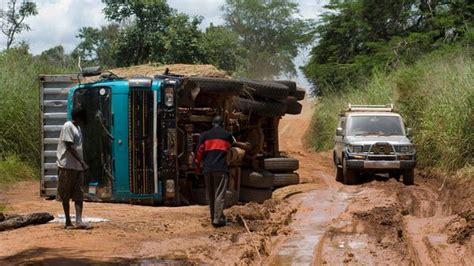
x,y
339,174
409,177
349,176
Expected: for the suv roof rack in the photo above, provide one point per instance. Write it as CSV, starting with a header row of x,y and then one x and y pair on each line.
x,y
369,108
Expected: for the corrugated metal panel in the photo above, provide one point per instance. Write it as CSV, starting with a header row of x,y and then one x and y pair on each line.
x,y
53,99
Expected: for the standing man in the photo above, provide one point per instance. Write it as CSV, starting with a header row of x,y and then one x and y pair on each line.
x,y
212,149
71,166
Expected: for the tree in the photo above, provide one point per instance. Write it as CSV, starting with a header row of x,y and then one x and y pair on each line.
x,y
269,33
221,46
154,32
356,36
12,19
97,45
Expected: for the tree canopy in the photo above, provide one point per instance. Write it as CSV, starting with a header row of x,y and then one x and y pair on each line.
x,y
269,34
356,36
12,19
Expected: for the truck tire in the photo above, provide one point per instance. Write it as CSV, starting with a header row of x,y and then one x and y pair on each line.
x,y
293,107
282,180
339,174
268,108
409,177
299,94
290,84
349,176
218,86
267,89
254,179
282,165
258,195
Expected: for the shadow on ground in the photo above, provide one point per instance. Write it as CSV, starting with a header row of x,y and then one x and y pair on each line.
x,y
50,256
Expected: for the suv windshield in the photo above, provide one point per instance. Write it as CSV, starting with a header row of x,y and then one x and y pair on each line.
x,y
374,125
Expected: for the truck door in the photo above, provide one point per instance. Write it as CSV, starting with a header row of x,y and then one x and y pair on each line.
x,y
53,105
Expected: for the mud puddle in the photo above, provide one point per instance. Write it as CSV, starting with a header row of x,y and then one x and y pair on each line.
x,y
318,208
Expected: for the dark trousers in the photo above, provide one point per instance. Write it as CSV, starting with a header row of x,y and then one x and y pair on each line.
x,y
216,186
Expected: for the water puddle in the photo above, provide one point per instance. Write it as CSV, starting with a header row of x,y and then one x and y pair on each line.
x,y
321,206
62,219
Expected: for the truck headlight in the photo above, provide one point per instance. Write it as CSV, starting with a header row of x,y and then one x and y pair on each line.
x,y
169,96
407,149
355,148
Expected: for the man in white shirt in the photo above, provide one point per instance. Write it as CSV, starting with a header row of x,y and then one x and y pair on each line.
x,y
71,166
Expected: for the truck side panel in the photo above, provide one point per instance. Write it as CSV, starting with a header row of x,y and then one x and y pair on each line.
x,y
53,105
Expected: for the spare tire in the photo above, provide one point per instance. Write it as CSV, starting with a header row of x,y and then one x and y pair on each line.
x,y
286,179
254,179
279,165
258,195
267,89
219,86
293,107
290,84
299,94
267,108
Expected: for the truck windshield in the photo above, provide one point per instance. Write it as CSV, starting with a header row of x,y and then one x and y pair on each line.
x,y
375,125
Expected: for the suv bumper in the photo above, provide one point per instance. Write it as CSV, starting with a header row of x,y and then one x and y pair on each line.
x,y
390,165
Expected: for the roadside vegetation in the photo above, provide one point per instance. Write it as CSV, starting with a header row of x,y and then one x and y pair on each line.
x,y
415,54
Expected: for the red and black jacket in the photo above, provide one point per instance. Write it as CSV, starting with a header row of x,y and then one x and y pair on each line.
x,y
212,149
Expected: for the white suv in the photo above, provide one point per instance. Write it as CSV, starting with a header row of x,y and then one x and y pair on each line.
x,y
373,139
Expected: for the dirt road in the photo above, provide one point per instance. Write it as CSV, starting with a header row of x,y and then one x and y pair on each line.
x,y
317,222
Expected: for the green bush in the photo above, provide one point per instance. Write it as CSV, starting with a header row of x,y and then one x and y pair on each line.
x,y
12,169
19,109
435,97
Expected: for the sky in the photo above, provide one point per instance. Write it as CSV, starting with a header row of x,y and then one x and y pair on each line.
x,y
58,21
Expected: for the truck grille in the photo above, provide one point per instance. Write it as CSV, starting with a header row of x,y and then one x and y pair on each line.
x,y
141,141
382,148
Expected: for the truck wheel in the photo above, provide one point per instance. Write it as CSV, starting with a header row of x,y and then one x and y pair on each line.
x,y
299,94
349,176
282,164
218,86
339,173
267,89
293,107
268,108
409,177
254,179
290,84
258,195
395,175
282,180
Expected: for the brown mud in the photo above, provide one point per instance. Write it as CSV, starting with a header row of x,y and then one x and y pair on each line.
x,y
319,221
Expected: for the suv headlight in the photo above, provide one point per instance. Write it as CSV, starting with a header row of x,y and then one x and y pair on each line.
x,y
407,149
355,148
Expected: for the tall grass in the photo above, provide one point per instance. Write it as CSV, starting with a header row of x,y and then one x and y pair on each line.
x,y
436,98
19,108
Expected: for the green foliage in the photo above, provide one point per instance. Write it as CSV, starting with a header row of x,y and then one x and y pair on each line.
x,y
97,45
356,36
436,98
19,102
12,19
221,47
151,31
270,35
12,169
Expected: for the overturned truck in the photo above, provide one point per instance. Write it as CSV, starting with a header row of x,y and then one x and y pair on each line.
x,y
142,132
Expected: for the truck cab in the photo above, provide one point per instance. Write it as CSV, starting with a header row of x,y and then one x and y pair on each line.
x,y
373,139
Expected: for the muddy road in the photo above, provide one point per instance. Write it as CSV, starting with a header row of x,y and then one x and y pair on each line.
x,y
319,221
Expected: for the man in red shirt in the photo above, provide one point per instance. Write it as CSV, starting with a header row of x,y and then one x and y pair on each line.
x,y
212,149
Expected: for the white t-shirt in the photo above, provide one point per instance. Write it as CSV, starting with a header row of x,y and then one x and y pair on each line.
x,y
70,133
